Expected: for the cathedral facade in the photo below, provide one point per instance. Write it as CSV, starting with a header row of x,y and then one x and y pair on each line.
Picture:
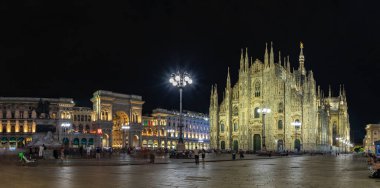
x,y
300,115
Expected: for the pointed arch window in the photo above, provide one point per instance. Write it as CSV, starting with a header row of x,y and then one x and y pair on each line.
x,y
235,126
280,107
235,111
256,113
222,127
257,88
279,124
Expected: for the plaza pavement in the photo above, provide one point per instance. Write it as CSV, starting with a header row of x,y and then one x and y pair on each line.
x,y
218,171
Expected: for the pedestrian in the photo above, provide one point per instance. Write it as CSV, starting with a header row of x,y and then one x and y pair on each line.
x,y
66,151
152,156
81,151
110,152
241,154
88,152
196,155
30,152
55,153
203,155
40,151
233,155
35,151
62,154
97,152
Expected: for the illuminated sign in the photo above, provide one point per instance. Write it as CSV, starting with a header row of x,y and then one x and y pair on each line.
x,y
99,131
65,124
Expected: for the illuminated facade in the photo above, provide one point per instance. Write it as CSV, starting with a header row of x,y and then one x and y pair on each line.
x,y
83,130
301,117
21,118
372,135
161,129
112,111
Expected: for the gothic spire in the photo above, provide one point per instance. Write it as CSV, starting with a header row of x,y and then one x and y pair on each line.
x,y
302,61
212,96
241,60
271,55
329,91
279,57
216,95
228,85
246,60
288,65
266,58
344,91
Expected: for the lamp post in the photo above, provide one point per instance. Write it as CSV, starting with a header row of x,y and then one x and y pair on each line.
x,y
297,124
264,111
125,127
180,80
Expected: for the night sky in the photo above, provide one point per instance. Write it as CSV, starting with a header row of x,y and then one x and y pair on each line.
x,y
71,49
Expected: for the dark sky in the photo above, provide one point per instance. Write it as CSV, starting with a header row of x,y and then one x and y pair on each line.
x,y
73,48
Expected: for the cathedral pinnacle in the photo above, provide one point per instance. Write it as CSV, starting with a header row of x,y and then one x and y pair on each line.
x,y
266,58
279,58
271,55
329,91
302,60
241,60
228,85
246,60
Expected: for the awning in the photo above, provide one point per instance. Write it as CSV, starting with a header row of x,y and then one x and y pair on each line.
x,y
76,141
12,139
19,139
65,140
91,141
4,139
83,141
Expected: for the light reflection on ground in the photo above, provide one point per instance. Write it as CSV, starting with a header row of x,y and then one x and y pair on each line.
x,y
300,171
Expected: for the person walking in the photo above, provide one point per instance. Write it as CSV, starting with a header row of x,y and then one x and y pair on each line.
x,y
203,155
196,155
241,152
62,154
40,151
88,149
81,151
97,152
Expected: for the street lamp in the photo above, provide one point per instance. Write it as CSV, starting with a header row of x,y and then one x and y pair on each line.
x,y
264,111
297,124
180,80
125,127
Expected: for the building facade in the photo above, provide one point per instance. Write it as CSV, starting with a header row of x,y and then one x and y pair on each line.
x,y
112,112
161,129
372,135
21,118
302,117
